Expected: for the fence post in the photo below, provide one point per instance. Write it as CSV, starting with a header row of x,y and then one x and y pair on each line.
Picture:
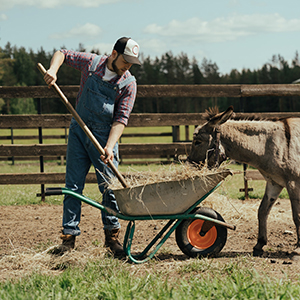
x,y
62,158
176,133
187,133
12,141
175,138
245,166
41,157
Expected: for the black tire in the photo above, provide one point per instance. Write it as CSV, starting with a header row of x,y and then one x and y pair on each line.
x,y
190,241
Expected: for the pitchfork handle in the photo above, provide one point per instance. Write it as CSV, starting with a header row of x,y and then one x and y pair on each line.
x,y
84,127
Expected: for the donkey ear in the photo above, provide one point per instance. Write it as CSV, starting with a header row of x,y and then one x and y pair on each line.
x,y
221,118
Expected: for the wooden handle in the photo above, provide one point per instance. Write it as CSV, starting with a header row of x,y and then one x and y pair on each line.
x,y
83,126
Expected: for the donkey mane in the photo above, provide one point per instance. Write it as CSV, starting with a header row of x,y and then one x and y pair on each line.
x,y
213,111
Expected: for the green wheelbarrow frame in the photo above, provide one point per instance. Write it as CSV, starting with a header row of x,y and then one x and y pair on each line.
x,y
164,234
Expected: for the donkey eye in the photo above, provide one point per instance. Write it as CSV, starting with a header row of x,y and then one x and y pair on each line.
x,y
197,142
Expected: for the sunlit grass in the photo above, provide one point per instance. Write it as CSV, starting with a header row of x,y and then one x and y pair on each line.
x,y
113,279
32,132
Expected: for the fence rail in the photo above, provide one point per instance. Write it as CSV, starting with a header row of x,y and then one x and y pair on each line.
x,y
132,150
135,120
165,150
39,178
158,91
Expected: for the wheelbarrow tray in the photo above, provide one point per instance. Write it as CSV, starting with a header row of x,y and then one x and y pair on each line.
x,y
166,198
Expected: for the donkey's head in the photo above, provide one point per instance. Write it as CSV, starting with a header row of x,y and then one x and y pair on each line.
x,y
206,140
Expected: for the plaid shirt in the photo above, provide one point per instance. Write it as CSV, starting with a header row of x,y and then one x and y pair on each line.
x,y
126,96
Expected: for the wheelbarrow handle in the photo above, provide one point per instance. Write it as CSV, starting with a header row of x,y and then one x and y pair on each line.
x,y
83,126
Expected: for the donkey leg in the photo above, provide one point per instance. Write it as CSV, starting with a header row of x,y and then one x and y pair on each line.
x,y
293,189
272,192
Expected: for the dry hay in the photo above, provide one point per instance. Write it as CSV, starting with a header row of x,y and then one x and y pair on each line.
x,y
21,262
162,191
165,173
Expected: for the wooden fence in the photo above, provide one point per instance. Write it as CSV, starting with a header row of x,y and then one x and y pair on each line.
x,y
159,150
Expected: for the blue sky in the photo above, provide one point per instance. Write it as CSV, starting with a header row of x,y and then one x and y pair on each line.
x,y
235,34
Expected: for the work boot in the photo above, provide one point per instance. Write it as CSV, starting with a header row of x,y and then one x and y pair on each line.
x,y
68,243
112,242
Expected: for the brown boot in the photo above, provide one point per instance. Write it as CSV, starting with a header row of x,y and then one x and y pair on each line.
x,y
67,244
112,242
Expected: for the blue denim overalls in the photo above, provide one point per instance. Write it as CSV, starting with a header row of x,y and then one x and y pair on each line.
x,y
96,108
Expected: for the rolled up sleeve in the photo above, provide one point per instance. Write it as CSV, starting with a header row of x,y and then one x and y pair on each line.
x,y
124,103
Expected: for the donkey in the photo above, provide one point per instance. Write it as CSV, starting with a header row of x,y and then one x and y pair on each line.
x,y
271,146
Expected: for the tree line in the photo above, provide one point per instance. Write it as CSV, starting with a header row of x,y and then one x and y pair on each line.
x,y
18,68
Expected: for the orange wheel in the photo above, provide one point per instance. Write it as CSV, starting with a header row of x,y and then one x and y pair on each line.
x,y
198,241
195,238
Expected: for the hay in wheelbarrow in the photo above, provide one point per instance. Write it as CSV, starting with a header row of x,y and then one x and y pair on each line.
x,y
167,191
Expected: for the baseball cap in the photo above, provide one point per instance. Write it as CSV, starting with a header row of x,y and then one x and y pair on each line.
x,y
129,48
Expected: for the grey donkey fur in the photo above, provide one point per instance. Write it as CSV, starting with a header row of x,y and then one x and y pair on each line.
x,y
271,146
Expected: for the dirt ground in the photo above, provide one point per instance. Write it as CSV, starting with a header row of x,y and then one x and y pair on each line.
x,y
28,232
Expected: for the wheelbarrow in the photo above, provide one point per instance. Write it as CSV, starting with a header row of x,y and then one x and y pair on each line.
x,y
199,231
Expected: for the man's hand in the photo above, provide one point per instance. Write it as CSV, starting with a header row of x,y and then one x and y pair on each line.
x,y
50,77
114,135
109,155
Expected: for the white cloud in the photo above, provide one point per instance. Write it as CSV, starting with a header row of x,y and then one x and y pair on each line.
x,y
3,17
233,2
153,46
104,48
5,5
224,29
84,32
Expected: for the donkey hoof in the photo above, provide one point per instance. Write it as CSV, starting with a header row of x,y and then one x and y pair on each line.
x,y
296,254
296,258
296,251
258,252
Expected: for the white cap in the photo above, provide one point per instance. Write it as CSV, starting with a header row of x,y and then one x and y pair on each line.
x,y
129,48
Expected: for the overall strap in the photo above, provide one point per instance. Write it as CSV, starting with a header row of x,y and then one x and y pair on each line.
x,y
95,63
126,81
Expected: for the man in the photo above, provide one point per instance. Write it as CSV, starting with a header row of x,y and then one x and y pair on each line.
x,y
104,102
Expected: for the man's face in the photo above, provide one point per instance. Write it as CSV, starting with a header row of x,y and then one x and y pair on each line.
x,y
120,65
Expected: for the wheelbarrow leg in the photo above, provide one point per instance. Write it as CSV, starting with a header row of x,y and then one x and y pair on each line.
x,y
129,237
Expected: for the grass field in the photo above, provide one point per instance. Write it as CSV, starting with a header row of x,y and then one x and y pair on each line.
x,y
112,279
